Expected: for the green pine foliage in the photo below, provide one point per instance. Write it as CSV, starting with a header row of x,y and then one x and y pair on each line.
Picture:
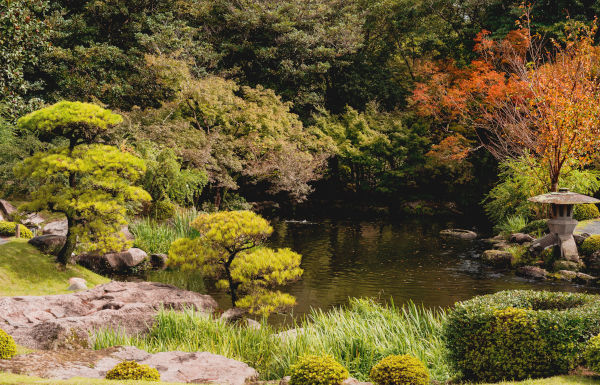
x,y
317,370
520,334
8,348
400,370
229,249
131,370
9,229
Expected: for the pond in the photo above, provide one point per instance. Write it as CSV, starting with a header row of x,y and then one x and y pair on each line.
x,y
399,261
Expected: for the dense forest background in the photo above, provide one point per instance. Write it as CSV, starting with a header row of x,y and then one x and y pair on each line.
x,y
292,101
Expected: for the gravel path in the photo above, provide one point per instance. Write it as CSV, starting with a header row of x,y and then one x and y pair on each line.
x,y
591,227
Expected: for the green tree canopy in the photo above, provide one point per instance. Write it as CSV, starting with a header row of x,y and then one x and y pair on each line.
x,y
229,249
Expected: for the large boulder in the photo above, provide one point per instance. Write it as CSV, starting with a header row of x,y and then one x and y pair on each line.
x,y
497,258
7,210
56,227
532,272
33,220
200,367
521,238
159,261
122,261
593,261
49,244
459,233
65,321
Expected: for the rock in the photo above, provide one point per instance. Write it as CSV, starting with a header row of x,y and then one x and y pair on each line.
x,y
354,381
593,261
459,233
252,324
562,264
497,258
285,380
291,333
49,244
233,315
125,231
159,261
6,209
33,220
584,279
64,321
56,227
566,275
77,284
579,238
521,238
532,272
204,368
114,262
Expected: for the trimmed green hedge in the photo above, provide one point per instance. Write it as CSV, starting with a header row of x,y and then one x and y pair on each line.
x,y
8,229
318,370
521,333
131,370
8,348
585,212
400,370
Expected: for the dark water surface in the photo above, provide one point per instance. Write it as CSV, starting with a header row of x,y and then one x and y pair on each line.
x,y
403,261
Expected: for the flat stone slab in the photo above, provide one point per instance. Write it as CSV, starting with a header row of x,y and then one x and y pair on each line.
x,y
199,367
64,321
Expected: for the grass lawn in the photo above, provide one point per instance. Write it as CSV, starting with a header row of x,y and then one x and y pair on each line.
x,y
561,380
26,271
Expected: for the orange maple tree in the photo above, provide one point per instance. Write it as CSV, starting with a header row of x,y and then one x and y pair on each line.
x,y
522,97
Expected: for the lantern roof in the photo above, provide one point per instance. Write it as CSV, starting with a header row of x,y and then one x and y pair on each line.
x,y
563,197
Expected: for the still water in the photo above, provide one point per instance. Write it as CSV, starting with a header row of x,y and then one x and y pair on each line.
x,y
401,261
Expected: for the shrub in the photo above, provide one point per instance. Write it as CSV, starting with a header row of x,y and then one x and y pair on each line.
x,y
539,226
590,245
585,212
131,370
162,210
8,348
318,370
592,354
8,229
400,370
519,334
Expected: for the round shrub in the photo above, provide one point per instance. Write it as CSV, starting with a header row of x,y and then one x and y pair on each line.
x,y
400,370
592,354
585,212
590,245
520,333
8,348
535,227
131,370
8,229
162,210
318,370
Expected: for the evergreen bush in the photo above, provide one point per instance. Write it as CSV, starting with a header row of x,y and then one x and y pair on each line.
x,y
592,354
590,245
318,370
400,370
519,334
585,212
8,348
162,210
131,370
8,229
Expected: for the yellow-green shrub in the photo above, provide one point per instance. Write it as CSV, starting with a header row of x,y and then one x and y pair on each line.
x,y
520,333
318,370
400,370
8,229
8,348
162,210
590,245
592,354
131,370
585,212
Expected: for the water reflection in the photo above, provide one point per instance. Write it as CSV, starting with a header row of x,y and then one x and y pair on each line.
x,y
403,261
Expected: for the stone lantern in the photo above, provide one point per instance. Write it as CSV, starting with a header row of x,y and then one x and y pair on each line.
x,y
561,223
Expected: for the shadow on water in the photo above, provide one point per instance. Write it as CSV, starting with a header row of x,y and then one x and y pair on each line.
x,y
404,261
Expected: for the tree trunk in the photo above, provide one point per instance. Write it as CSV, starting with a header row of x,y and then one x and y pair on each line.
x,y
64,256
554,186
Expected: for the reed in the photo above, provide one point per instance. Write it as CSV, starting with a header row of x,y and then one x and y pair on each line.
x,y
154,236
358,335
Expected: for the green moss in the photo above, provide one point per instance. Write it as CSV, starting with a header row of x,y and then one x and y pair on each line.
x,y
131,370
317,370
8,229
590,245
24,270
400,370
8,348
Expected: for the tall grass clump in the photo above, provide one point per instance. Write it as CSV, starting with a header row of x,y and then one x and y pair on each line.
x,y
154,236
512,224
357,335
